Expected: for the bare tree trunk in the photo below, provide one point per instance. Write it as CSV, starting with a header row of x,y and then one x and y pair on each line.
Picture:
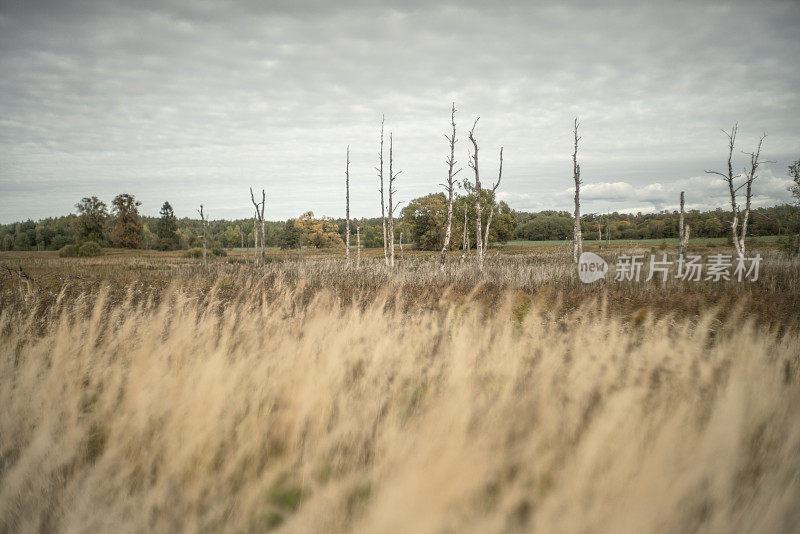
x,y
683,240
492,205
383,207
358,246
401,245
347,207
391,206
259,218
255,239
263,236
750,176
241,233
577,239
449,186
465,242
729,178
478,223
738,233
203,219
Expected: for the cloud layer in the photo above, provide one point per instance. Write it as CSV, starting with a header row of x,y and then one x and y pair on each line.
x,y
196,101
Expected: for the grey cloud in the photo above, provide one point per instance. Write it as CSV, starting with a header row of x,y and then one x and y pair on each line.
x,y
199,100
703,192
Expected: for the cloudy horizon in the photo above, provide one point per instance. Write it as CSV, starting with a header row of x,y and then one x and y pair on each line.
x,y
196,101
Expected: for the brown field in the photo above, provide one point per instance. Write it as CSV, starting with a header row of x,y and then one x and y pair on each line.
x,y
142,392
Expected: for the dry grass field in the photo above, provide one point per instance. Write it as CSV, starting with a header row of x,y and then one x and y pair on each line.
x,y
141,392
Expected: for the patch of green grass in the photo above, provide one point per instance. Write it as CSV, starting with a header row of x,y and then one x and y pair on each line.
x,y
653,241
285,494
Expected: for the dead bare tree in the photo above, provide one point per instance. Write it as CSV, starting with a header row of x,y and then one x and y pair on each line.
x,y
383,197
599,235
465,242
401,245
750,174
473,163
203,220
19,272
358,246
739,231
392,177
577,238
21,275
492,205
449,186
255,239
259,219
683,230
347,207
729,179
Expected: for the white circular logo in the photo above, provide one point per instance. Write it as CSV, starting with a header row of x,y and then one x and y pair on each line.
x,y
591,267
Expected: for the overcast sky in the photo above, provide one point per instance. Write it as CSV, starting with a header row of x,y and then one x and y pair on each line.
x,y
195,101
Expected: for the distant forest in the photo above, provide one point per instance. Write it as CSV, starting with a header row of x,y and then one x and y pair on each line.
x,y
421,223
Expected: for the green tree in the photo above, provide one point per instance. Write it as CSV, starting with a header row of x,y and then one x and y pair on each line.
x,y
371,236
547,226
149,239
504,223
425,217
167,228
713,227
794,174
127,231
291,236
91,222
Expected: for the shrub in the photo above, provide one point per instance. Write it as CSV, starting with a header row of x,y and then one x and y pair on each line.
x,y
787,244
195,252
167,244
90,249
59,242
216,251
68,251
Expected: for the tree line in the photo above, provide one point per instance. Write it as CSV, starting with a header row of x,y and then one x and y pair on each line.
x,y
421,222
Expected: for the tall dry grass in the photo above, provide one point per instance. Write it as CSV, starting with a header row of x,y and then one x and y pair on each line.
x,y
184,411
773,299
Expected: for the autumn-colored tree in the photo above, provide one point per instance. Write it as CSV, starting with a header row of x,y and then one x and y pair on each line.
x,y
127,231
319,233
91,222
